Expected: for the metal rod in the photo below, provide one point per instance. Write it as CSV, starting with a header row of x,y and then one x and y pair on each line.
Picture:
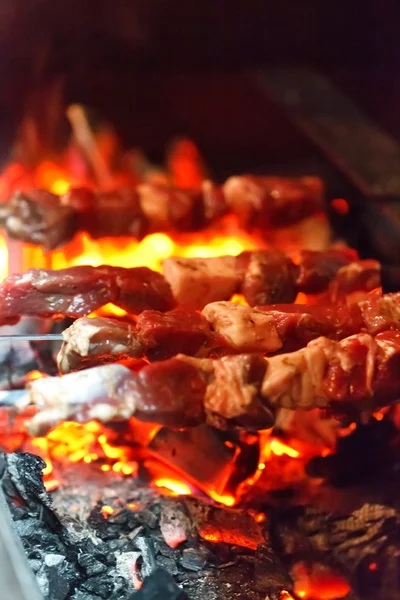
x,y
45,337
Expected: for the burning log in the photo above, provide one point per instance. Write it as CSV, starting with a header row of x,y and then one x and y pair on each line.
x,y
40,217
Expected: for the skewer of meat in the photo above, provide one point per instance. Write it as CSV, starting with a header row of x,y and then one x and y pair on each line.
x,y
40,217
268,276
77,291
264,277
357,374
222,328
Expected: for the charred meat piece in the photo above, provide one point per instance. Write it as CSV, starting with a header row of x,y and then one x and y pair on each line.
x,y
39,217
89,342
175,332
262,202
77,291
317,269
356,374
196,282
269,277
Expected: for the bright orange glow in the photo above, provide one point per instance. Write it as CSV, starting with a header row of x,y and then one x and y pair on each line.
x,y
279,448
106,511
341,206
3,258
373,567
51,484
34,375
178,488
318,582
285,595
60,186
226,499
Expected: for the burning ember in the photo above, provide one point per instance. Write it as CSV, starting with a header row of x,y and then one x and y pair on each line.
x,y
202,409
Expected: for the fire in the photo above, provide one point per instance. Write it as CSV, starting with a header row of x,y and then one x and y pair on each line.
x,y
3,258
279,448
177,488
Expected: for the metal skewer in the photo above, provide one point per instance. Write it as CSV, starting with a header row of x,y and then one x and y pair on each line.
x,y
46,337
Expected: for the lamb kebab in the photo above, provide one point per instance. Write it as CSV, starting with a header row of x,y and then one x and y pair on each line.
x,y
359,373
222,328
263,277
40,217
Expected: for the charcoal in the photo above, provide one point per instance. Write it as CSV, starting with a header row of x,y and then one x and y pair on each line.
x,y
81,595
194,559
159,585
169,564
175,524
146,548
101,585
91,564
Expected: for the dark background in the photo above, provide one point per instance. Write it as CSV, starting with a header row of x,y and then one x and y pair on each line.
x,y
166,67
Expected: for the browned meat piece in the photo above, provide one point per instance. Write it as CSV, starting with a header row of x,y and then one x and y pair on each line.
x,y
269,277
362,275
77,291
263,202
114,213
38,217
356,374
176,332
243,328
196,282
234,393
214,204
317,269
89,342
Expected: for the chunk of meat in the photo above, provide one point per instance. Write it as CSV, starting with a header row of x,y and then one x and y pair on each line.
x,y
197,282
176,332
72,292
358,373
317,269
269,277
243,328
360,275
263,202
97,393
114,213
77,291
234,393
381,312
89,342
140,288
170,393
38,217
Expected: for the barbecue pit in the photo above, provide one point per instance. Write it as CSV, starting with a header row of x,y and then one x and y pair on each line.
x,y
136,509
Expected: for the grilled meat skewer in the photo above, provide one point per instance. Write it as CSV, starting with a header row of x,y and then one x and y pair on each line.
x,y
353,375
40,217
222,328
